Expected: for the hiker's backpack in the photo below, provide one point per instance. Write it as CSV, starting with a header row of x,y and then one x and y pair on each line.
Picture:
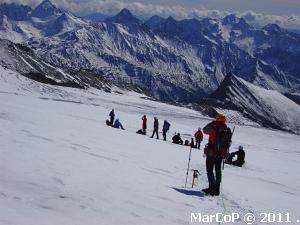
x,y
223,140
167,125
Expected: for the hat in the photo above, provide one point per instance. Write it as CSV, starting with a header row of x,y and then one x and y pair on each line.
x,y
220,118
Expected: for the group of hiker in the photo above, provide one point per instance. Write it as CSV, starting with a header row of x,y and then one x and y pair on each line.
x,y
165,129
112,122
216,150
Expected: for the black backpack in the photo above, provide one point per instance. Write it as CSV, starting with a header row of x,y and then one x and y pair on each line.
x,y
224,135
166,125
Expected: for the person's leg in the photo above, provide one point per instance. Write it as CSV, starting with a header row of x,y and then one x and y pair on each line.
x,y
210,174
157,137
112,120
218,169
237,163
164,135
153,134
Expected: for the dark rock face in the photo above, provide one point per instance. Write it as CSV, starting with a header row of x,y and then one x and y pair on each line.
x,y
14,11
259,105
45,9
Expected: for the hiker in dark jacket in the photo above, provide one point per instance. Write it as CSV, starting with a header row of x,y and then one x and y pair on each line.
x,y
112,117
214,154
165,129
240,157
177,139
155,128
144,124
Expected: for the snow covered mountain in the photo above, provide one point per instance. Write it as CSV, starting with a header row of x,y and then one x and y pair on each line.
x,y
226,46
22,59
267,107
18,23
168,59
175,61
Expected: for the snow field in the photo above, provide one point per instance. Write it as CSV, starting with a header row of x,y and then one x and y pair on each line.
x,y
60,164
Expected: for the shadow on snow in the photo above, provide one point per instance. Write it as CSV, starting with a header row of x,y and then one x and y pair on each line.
x,y
189,192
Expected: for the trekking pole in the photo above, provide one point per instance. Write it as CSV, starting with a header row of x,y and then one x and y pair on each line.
x,y
187,172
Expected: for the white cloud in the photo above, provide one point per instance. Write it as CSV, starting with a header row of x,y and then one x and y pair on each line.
x,y
290,22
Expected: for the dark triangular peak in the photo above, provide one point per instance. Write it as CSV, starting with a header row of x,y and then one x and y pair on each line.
x,y
231,89
169,26
232,94
14,11
170,19
124,17
229,83
46,9
154,21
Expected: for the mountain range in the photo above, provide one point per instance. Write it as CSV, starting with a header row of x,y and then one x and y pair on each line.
x,y
170,60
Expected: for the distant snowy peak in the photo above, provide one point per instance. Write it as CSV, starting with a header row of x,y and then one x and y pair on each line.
x,y
266,107
124,17
46,9
174,60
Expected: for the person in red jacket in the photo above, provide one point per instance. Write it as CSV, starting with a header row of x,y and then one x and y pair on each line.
x,y
198,137
214,154
144,125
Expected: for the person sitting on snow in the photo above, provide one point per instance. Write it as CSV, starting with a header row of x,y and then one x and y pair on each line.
x,y
177,139
240,157
118,124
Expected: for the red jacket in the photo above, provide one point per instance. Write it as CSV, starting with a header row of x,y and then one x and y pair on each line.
x,y
144,125
199,135
211,130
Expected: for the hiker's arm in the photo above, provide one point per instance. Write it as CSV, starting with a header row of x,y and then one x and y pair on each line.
x,y
234,153
208,128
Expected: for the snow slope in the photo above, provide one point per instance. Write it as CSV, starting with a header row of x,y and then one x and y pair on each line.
x,y
59,163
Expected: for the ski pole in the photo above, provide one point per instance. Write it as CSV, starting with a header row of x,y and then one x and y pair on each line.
x,y
223,164
187,172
